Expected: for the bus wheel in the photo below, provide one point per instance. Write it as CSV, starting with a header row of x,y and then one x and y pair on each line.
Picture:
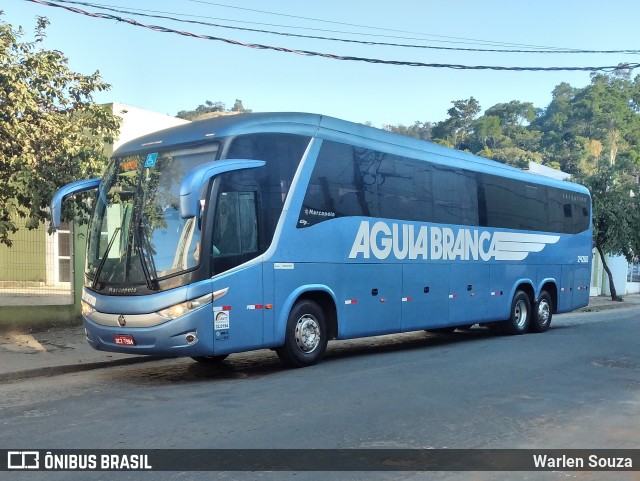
x,y
520,317
306,336
543,313
210,359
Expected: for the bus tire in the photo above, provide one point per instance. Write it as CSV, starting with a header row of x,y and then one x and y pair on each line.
x,y
541,319
306,336
520,317
210,359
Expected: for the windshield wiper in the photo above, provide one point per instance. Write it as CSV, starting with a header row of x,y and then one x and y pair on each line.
x,y
146,262
96,275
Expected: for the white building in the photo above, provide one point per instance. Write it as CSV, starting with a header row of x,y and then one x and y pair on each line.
x,y
137,122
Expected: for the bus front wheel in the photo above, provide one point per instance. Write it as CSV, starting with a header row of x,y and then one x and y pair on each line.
x,y
306,335
520,317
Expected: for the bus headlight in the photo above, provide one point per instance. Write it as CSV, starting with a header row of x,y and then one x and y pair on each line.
x,y
87,309
177,310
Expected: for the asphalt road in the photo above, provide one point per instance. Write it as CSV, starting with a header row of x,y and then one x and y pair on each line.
x,y
576,386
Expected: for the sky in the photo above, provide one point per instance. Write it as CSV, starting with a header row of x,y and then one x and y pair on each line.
x,y
166,72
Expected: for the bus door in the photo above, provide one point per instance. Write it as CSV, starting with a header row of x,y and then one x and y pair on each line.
x,y
238,292
425,290
238,313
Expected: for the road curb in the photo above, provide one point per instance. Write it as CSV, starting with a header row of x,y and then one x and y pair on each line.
x,y
73,368
607,307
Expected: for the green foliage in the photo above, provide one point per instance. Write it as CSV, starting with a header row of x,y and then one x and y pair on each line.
x,y
616,211
456,130
210,108
606,111
51,132
515,156
419,130
488,131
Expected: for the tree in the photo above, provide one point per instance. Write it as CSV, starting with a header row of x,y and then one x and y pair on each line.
x,y
457,128
51,132
238,107
487,131
419,130
616,214
513,114
209,109
595,135
202,109
606,111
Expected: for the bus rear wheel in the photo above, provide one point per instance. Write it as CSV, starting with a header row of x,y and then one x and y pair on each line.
x,y
520,318
306,335
543,313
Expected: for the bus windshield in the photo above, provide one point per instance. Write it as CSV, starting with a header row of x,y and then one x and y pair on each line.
x,y
136,234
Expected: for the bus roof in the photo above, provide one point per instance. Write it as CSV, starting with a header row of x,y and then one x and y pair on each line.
x,y
314,125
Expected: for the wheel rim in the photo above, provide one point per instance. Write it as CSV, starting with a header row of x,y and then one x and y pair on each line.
x,y
544,312
308,333
520,314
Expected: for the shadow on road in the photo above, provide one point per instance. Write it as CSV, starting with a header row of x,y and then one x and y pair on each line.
x,y
266,362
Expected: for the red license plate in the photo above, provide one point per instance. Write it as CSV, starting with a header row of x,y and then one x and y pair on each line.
x,y
124,340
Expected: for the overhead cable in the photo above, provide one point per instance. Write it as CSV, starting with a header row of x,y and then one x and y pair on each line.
x,y
451,39
362,42
106,16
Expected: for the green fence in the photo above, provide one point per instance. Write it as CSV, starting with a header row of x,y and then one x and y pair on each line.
x,y
41,277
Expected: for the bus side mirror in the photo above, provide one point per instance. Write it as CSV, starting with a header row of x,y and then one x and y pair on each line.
x,y
194,181
66,191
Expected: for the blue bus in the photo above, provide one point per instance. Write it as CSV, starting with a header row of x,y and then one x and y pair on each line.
x,y
287,230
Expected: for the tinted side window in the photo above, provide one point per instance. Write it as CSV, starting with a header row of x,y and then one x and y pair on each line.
x,y
455,196
350,181
569,212
343,183
513,204
282,153
404,189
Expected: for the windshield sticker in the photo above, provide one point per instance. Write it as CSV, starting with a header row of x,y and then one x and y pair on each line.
x,y
129,164
151,160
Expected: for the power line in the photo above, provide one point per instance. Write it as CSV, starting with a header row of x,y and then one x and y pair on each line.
x,y
484,42
309,53
362,34
361,42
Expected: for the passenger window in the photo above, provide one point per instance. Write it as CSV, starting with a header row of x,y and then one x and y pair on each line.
x,y
455,196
